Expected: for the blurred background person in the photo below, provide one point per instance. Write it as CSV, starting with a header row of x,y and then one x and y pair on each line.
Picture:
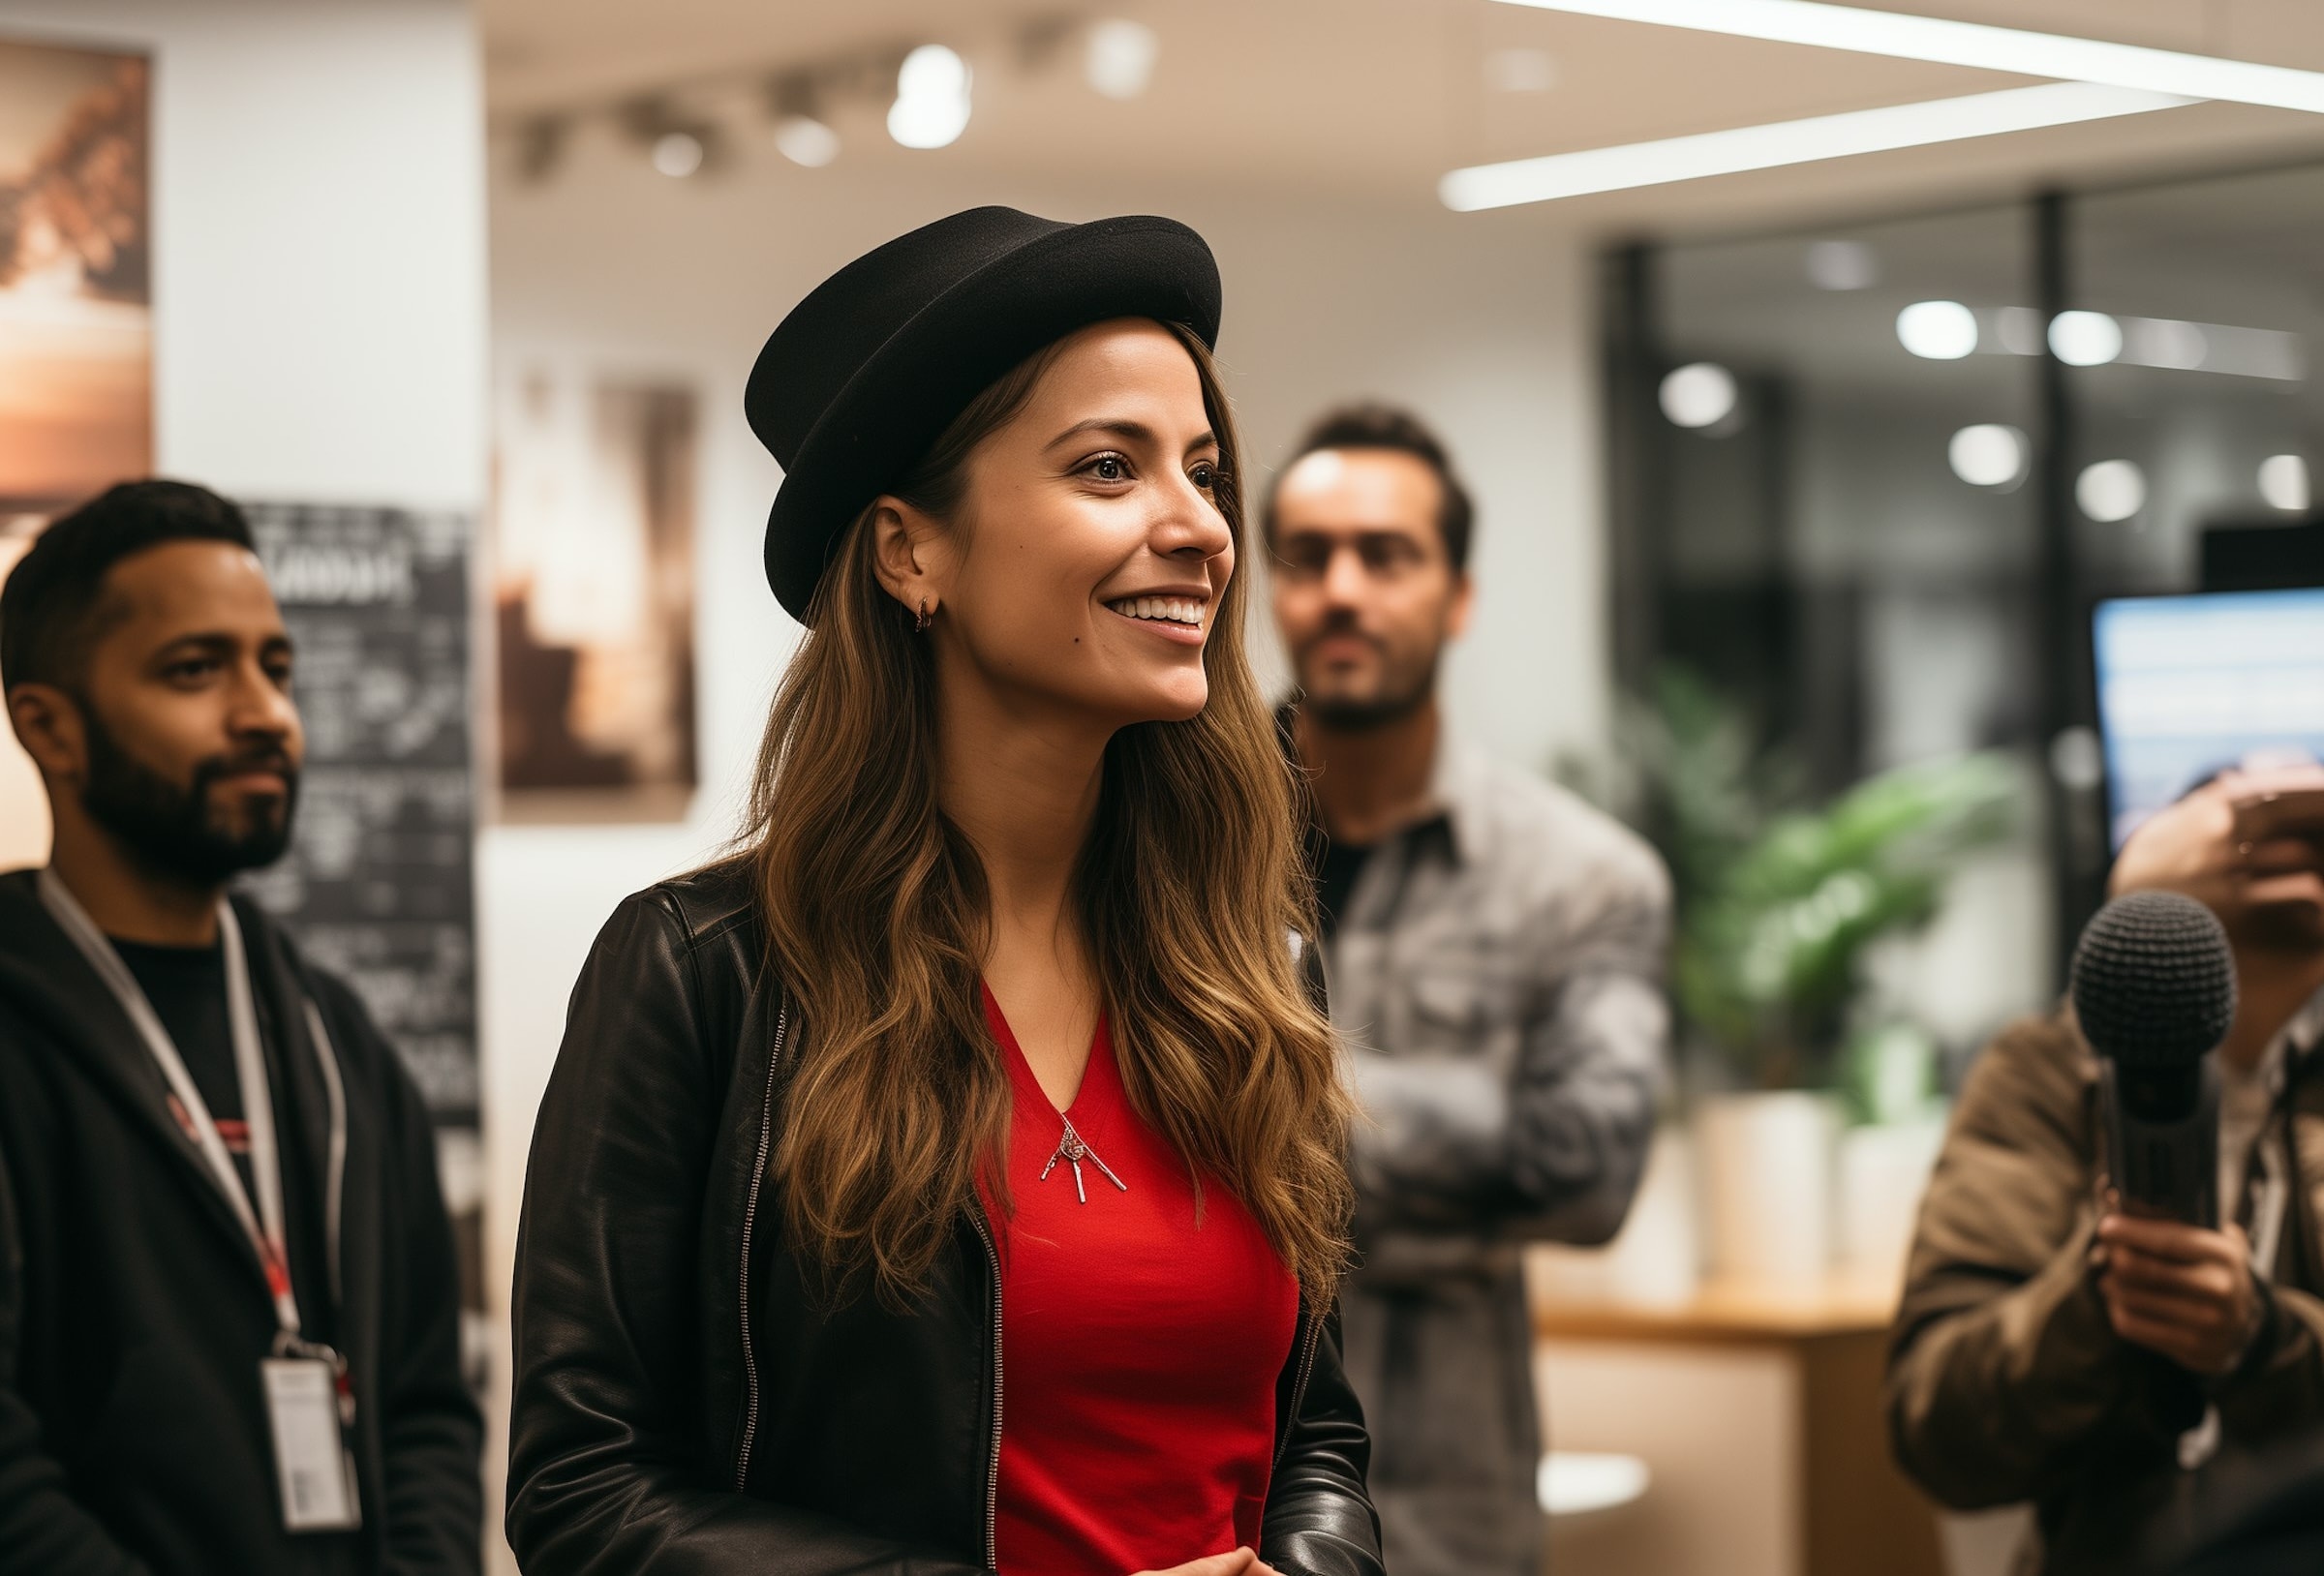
x,y
2019,1370
1494,948
228,1325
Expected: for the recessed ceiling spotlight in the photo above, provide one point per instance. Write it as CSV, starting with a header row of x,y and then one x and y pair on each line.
x,y
1987,455
2111,490
2077,758
1842,265
932,99
679,154
1938,330
1120,59
2283,483
2085,339
1520,71
804,139
1700,394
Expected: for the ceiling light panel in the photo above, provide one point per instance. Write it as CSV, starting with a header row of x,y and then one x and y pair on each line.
x,y
1977,45
1790,143
2171,343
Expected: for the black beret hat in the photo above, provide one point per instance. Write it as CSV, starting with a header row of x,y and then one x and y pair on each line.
x,y
863,375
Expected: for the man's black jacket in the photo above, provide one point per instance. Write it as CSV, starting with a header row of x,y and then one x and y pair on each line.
x,y
685,1404
134,1311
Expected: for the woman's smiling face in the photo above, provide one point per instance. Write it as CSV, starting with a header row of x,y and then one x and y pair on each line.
x,y
1081,570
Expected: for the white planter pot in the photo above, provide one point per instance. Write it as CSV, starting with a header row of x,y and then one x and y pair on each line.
x,y
1653,1263
1883,1171
1766,1166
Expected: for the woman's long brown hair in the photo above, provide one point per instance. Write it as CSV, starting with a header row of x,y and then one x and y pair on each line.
x,y
1190,889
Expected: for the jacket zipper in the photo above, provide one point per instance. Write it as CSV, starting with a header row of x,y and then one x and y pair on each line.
x,y
984,1232
1298,1384
766,1138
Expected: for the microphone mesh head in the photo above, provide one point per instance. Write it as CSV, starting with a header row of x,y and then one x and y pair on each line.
x,y
2154,981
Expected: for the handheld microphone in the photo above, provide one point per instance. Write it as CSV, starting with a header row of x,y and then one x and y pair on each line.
x,y
2153,985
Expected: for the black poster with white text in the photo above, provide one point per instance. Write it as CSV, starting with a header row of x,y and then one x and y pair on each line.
x,y
380,884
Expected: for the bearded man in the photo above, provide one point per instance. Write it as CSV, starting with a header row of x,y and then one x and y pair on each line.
x,y
229,1312
1494,949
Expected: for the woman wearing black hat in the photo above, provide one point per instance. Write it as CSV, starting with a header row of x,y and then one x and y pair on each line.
x,y
986,1055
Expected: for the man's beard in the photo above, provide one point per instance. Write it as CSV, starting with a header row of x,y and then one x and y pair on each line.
x,y
1394,702
170,829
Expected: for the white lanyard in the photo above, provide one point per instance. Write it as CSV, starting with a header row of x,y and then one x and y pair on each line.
x,y
265,1226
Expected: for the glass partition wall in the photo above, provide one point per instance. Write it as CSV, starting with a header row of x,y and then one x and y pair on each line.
x,y
1868,479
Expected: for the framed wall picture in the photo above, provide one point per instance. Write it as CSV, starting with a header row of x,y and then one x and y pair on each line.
x,y
76,317
76,270
593,582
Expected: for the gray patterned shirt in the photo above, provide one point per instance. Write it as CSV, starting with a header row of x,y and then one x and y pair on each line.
x,y
1497,977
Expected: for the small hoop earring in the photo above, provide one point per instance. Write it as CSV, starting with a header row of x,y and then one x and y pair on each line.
x,y
923,617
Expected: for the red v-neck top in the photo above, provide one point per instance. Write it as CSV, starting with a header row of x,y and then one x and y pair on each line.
x,y
1139,1349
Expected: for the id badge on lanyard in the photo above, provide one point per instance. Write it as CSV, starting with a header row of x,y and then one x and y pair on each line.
x,y
312,1463
310,1405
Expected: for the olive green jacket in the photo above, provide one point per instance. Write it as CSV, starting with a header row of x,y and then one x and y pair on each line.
x,y
2006,1381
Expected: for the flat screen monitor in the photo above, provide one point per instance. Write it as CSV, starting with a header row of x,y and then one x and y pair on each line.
x,y
2189,686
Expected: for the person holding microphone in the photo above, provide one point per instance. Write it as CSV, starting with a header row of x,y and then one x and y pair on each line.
x,y
953,1179
2024,1362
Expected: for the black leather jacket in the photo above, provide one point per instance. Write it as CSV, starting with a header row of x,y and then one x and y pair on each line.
x,y
684,1404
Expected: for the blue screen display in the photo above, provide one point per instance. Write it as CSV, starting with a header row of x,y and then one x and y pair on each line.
x,y
2191,684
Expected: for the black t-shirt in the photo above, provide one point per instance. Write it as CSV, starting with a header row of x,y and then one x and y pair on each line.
x,y
1336,865
187,988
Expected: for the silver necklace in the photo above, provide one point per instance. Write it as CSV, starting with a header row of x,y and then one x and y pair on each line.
x,y
1073,1151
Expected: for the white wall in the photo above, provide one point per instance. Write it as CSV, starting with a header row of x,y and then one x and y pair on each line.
x,y
319,301
318,240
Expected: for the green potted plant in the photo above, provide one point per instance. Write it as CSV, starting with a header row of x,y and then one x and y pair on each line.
x,y
1779,901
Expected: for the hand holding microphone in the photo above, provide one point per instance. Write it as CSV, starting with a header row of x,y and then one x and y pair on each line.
x,y
2179,1289
2155,986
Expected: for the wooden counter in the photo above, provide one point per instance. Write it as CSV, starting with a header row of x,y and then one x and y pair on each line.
x,y
1851,1512
1730,1310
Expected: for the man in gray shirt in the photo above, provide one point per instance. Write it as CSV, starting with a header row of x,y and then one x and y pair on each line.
x,y
1494,948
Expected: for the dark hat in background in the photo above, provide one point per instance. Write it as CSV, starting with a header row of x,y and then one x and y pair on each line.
x,y
860,380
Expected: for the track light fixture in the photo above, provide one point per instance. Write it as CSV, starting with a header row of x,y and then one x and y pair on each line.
x,y
932,99
540,143
677,143
802,129
923,90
